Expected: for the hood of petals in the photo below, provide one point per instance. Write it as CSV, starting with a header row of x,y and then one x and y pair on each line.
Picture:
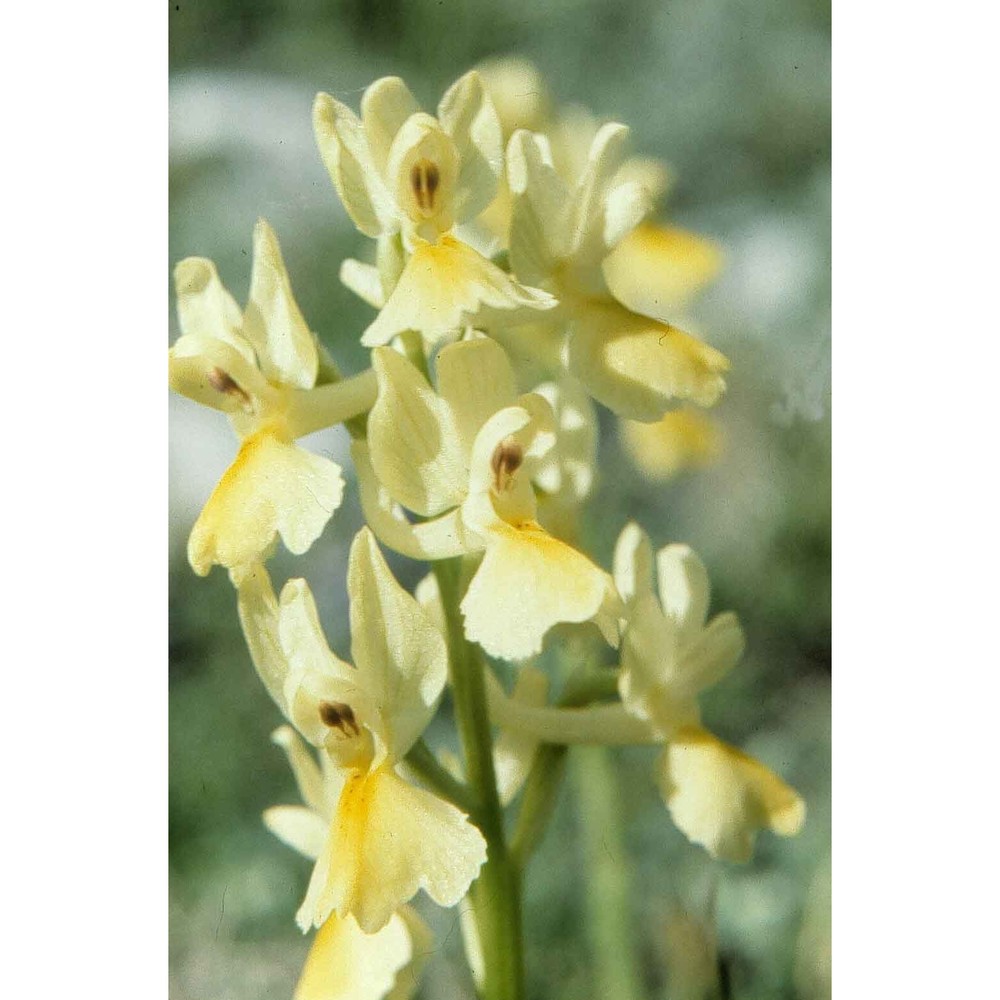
x,y
467,114
400,654
344,148
422,172
414,446
215,373
204,307
286,347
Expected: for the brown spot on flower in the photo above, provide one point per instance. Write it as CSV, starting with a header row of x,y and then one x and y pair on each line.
x,y
425,179
337,715
505,461
223,382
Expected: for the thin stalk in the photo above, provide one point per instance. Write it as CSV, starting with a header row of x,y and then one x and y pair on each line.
x,y
496,894
538,801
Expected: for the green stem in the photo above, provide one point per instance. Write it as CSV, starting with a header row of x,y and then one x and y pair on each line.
x,y
496,894
607,884
538,801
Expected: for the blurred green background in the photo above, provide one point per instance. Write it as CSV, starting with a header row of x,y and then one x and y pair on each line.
x,y
735,97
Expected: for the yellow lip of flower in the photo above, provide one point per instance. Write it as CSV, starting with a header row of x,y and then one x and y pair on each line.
x,y
400,170
443,287
719,796
344,963
384,839
465,457
260,367
560,238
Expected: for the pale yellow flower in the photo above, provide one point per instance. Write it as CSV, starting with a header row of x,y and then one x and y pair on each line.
x,y
560,237
655,269
463,458
386,838
681,439
522,101
658,270
344,963
717,795
399,170
260,367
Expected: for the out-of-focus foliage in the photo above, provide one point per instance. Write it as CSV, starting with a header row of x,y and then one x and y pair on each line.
x,y
735,97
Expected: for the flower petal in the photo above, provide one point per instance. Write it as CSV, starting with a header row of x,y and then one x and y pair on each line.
x,y
684,588
205,308
719,796
385,106
419,145
257,606
650,665
658,270
468,116
538,236
625,206
400,654
273,487
364,280
421,947
636,366
515,502
344,149
344,963
712,653
442,538
317,676
633,563
517,91
214,373
567,469
683,438
475,379
308,777
414,446
387,841
273,323
527,582
443,287
300,828
587,204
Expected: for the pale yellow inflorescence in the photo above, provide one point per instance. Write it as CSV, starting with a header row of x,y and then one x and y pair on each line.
x,y
518,280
